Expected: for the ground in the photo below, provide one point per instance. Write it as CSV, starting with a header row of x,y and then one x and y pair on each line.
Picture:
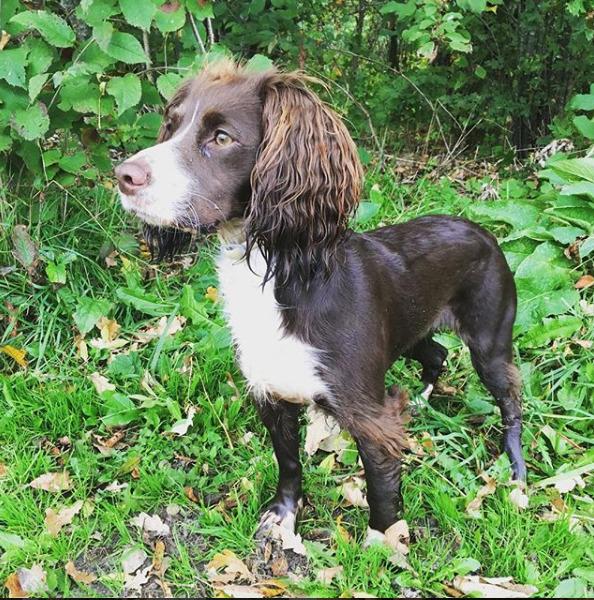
x,y
128,385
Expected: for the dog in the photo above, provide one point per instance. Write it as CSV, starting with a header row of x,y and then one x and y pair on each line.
x,y
318,313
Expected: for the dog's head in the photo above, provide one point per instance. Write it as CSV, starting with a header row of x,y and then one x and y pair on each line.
x,y
261,146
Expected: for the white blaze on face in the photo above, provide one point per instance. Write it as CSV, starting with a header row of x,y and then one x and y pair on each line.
x,y
169,184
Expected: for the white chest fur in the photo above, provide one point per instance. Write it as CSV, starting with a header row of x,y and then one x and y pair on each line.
x,y
273,361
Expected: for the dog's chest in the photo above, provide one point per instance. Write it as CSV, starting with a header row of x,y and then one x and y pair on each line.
x,y
274,362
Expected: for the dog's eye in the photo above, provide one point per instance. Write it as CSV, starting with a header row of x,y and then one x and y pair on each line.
x,y
222,138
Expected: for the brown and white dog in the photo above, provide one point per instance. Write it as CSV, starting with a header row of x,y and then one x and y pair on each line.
x,y
318,313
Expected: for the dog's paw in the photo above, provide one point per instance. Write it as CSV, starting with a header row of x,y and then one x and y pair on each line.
x,y
272,519
373,537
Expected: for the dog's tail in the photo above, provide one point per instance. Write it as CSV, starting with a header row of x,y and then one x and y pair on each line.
x,y
383,424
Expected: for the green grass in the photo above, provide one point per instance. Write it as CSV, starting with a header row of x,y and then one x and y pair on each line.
x,y
232,479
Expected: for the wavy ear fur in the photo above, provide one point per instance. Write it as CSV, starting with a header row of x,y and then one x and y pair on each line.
x,y
305,184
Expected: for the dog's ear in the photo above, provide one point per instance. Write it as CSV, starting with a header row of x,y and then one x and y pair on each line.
x,y
306,181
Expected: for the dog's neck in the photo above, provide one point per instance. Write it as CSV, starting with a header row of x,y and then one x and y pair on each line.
x,y
232,233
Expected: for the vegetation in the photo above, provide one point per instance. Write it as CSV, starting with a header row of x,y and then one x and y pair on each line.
x,y
119,372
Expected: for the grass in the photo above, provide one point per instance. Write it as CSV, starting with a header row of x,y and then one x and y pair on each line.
x,y
231,472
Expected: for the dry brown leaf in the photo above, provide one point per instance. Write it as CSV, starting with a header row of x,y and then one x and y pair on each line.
x,y
114,487
137,580
109,328
493,587
212,294
27,582
4,39
132,559
110,259
232,566
352,491
473,508
326,576
3,470
101,383
290,539
241,591
151,524
182,426
397,536
158,556
79,576
81,347
16,354
585,281
518,498
52,482
342,531
190,495
54,521
321,426
150,333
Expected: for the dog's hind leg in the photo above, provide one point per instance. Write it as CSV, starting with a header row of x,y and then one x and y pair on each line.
x,y
282,421
432,356
486,317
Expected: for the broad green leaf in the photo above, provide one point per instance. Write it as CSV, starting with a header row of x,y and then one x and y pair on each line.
x,y
582,216
578,189
402,9
202,10
25,250
574,587
119,409
168,83
31,123
587,247
102,34
191,308
126,90
585,126
365,212
125,47
73,164
80,95
170,21
12,66
41,55
36,84
138,14
583,101
95,12
11,540
258,63
144,302
56,272
89,311
52,28
427,49
480,72
575,167
516,213
551,329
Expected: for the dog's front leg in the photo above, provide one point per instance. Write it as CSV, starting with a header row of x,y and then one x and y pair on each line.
x,y
382,473
282,421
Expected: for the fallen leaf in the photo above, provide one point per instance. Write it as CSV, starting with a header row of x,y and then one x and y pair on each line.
x,y
279,567
25,250
4,39
27,582
3,470
81,347
110,259
114,487
181,427
326,576
493,587
79,576
190,495
16,354
150,333
137,580
397,536
585,281
101,383
567,484
212,293
132,559
321,426
232,568
473,508
151,524
352,491
52,482
54,521
109,328
241,591
518,498
290,539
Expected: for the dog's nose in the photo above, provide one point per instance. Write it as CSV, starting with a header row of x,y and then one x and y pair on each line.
x,y
133,175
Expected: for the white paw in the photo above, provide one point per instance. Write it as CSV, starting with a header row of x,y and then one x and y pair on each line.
x,y
426,393
269,519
